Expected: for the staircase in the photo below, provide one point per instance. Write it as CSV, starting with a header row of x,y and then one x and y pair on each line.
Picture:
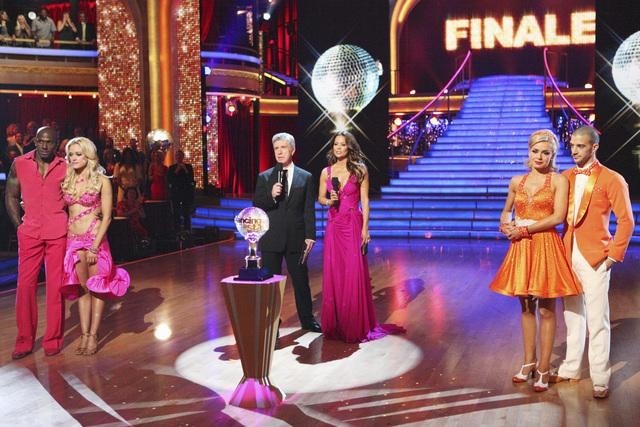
x,y
457,190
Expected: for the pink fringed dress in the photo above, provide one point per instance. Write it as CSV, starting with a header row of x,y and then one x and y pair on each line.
x,y
110,281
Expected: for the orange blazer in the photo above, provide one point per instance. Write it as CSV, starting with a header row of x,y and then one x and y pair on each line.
x,y
606,190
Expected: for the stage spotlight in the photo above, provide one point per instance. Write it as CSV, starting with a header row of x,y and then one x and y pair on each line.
x,y
207,119
397,121
162,332
588,86
266,16
32,15
434,121
626,68
46,95
592,117
207,70
20,94
412,92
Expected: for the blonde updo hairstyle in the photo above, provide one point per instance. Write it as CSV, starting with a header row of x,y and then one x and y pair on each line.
x,y
93,168
544,135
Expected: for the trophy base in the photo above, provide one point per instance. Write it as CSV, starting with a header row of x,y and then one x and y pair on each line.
x,y
256,393
253,274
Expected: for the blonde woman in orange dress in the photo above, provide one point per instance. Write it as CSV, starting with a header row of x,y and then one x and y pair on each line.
x,y
535,268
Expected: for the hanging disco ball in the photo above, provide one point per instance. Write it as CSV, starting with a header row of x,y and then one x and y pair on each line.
x,y
159,138
626,68
344,78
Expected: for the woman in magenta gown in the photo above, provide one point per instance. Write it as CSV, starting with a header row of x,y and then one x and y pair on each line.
x,y
347,304
89,273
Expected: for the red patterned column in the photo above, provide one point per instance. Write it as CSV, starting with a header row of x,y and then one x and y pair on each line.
x,y
119,80
187,107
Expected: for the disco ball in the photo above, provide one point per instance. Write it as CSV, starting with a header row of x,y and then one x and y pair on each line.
x,y
626,68
159,138
344,78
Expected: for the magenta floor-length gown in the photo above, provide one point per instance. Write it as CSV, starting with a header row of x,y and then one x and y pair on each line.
x,y
347,304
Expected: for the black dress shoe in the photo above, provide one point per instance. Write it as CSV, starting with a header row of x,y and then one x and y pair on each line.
x,y
20,354
312,326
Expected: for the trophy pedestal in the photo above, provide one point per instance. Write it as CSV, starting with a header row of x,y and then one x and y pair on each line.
x,y
254,310
253,271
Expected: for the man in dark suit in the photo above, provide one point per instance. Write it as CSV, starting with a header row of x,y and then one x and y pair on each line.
x,y
287,194
86,32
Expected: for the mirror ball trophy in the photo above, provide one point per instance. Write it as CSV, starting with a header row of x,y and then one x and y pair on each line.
x,y
252,223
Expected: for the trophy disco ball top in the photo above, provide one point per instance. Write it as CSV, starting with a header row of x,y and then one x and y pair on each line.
x,y
345,78
626,68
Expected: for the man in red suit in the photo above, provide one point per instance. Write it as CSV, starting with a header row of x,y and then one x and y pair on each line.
x,y
594,192
35,183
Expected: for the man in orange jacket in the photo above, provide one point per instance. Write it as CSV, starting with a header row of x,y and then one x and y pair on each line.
x,y
594,191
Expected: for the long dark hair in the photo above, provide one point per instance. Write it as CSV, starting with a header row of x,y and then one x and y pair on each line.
x,y
355,158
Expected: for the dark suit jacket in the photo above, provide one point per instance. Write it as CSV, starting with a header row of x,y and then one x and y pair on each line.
x,y
291,220
90,33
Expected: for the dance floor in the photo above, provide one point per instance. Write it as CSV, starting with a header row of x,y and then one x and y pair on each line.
x,y
167,355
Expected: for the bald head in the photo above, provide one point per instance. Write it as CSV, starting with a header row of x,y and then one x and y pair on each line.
x,y
46,144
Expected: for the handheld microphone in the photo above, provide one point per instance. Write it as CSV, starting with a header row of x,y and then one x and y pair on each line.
x,y
335,183
279,171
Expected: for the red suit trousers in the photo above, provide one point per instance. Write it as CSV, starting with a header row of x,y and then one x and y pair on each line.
x,y
31,253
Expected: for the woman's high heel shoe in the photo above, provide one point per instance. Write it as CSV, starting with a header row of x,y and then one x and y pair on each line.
x,y
82,347
522,377
91,349
541,385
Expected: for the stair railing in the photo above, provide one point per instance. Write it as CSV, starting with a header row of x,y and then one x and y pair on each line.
x,y
568,124
463,70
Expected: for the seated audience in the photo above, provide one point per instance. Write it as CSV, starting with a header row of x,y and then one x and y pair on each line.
x,y
131,208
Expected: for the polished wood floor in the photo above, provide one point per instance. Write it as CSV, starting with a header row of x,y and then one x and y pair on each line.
x,y
167,354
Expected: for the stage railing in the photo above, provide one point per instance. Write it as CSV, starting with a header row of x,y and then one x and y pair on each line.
x,y
461,79
566,124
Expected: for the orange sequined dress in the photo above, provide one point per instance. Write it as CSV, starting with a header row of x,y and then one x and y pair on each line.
x,y
535,266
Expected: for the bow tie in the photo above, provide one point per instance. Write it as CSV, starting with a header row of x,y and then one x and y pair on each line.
x,y
585,171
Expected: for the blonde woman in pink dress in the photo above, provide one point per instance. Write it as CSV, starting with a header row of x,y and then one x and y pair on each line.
x,y
89,273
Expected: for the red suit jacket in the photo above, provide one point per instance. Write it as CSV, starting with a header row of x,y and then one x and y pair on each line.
x,y
606,190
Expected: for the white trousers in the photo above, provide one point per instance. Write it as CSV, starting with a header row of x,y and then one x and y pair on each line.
x,y
589,311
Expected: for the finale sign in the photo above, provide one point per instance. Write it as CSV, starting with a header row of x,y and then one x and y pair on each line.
x,y
487,32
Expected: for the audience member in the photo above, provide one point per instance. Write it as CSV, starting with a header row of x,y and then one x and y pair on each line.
x,y
131,208
22,32
157,175
14,136
67,31
43,29
86,31
181,190
127,173
5,28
